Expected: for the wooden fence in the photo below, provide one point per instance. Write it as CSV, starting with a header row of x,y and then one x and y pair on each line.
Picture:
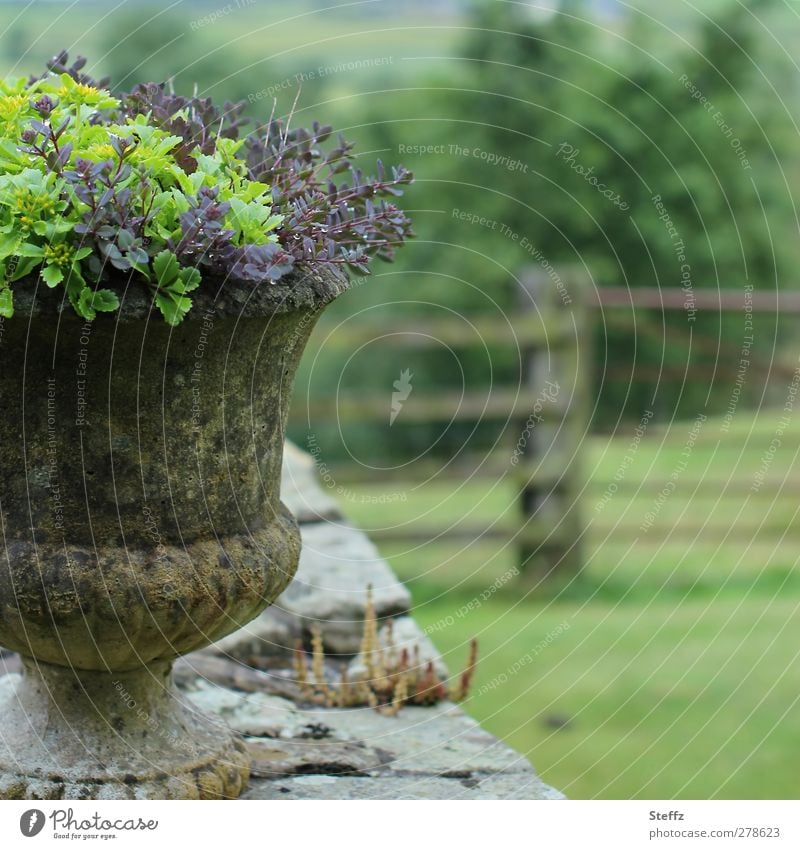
x,y
541,421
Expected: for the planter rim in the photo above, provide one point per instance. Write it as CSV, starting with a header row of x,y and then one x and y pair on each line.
x,y
305,288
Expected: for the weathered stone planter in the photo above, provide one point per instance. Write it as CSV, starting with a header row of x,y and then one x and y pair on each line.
x,y
141,520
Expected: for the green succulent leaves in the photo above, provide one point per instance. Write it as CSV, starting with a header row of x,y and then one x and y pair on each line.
x,y
88,189
174,283
95,189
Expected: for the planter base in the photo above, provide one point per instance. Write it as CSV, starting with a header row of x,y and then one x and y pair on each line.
x,y
112,735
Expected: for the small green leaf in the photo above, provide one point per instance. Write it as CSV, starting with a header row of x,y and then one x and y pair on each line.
x,y
104,300
9,245
83,304
169,309
191,279
75,283
188,281
52,229
27,249
6,303
52,275
24,267
144,270
89,302
166,268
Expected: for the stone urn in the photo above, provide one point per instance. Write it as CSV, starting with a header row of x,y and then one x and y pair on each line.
x,y
141,519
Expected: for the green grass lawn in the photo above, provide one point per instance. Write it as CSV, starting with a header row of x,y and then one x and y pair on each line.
x,y
670,667
676,699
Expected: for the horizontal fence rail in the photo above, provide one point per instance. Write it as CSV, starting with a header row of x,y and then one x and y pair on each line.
x,y
408,331
706,299
444,406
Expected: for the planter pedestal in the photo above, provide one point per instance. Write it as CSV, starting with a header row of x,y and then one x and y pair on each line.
x,y
141,520
70,734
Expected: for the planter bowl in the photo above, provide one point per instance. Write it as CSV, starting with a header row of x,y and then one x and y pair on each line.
x,y
141,520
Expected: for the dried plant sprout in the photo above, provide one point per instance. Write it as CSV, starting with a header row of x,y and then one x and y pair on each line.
x,y
393,676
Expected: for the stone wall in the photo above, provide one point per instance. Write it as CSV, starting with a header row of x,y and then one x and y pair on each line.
x,y
303,750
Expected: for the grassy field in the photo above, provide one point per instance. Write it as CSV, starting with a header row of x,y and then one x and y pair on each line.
x,y
670,668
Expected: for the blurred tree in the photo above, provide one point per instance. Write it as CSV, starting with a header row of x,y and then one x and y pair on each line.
x,y
704,144
650,166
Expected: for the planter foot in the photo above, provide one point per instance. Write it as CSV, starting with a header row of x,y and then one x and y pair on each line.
x,y
72,734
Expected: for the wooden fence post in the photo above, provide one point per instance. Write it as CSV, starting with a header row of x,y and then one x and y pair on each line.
x,y
556,380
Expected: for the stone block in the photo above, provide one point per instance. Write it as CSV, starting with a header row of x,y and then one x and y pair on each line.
x,y
301,491
405,787
337,564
